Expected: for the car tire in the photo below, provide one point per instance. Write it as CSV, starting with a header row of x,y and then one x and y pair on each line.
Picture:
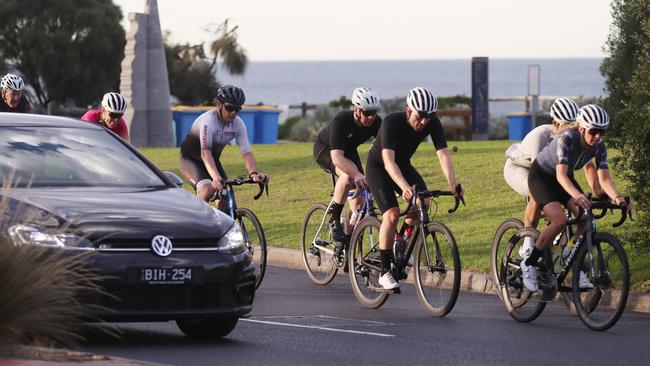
x,y
207,327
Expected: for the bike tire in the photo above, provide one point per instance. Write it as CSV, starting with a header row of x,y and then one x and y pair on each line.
x,y
364,262
520,303
319,265
505,230
608,270
255,241
437,269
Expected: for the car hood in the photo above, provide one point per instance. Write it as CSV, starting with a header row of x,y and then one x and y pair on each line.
x,y
125,213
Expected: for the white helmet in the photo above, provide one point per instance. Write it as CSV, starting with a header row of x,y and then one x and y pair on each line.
x,y
365,99
593,116
11,81
114,103
564,110
422,101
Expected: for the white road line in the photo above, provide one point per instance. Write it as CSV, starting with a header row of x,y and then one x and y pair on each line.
x,y
316,327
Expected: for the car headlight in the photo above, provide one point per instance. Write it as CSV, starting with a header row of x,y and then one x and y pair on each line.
x,y
233,241
33,235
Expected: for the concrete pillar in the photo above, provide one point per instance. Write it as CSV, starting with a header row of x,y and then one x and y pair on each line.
x,y
144,81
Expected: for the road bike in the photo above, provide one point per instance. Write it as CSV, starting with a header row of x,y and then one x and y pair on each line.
x,y
598,254
248,222
437,269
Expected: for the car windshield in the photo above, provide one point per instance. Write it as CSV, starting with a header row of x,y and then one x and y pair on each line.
x,y
64,157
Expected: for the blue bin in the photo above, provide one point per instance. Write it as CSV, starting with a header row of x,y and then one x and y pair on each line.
x,y
248,116
519,124
266,126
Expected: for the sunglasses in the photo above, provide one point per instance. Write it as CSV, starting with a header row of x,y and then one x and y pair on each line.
x,y
424,114
232,108
115,115
597,131
368,113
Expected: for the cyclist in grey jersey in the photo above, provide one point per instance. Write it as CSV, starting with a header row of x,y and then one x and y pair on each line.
x,y
567,150
210,133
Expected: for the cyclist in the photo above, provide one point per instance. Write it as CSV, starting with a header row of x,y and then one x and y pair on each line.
x,y
335,150
210,133
552,184
521,156
13,99
109,115
389,167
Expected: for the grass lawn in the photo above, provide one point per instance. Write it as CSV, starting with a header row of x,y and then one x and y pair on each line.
x,y
297,183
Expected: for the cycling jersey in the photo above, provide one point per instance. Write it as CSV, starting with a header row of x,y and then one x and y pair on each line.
x,y
567,150
93,116
22,107
209,132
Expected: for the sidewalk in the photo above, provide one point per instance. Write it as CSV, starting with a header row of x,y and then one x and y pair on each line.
x,y
39,356
470,281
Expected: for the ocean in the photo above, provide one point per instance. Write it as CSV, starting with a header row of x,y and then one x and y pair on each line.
x,y
318,82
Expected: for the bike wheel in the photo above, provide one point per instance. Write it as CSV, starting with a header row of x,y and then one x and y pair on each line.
x,y
521,304
608,271
319,264
507,228
365,263
437,269
254,239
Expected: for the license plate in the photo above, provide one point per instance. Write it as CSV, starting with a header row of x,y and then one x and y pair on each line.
x,y
165,275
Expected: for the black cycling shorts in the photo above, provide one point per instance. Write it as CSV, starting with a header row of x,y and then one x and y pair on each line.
x,y
383,188
324,159
195,171
545,188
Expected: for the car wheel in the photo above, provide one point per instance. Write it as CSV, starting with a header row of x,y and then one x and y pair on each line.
x,y
207,327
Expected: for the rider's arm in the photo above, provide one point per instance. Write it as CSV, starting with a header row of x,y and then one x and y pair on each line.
x,y
249,161
210,165
562,174
388,156
447,167
343,163
607,183
592,179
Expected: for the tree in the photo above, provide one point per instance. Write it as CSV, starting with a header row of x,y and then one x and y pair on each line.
x,y
192,74
67,50
627,73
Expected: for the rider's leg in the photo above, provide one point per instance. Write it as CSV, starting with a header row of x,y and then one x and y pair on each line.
x,y
386,236
557,223
531,213
205,190
580,226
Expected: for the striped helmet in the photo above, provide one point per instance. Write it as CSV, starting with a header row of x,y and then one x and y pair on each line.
x,y
365,98
13,82
231,94
422,101
564,110
593,116
114,103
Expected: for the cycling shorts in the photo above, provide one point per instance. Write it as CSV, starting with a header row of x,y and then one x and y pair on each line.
x,y
324,158
545,188
383,188
516,176
194,170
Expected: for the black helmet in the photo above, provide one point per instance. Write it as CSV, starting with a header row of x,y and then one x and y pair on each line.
x,y
231,94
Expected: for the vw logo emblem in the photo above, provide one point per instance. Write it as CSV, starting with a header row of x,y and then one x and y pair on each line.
x,y
161,245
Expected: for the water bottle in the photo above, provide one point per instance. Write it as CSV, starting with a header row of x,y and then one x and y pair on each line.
x,y
354,218
399,247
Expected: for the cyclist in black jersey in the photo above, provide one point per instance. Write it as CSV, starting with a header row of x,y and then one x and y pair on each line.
x,y
208,136
335,150
552,184
13,99
389,167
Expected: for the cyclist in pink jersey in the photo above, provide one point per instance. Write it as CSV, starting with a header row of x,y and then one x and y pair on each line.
x,y
109,115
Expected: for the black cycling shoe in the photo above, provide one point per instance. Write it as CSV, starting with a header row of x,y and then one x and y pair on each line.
x,y
338,234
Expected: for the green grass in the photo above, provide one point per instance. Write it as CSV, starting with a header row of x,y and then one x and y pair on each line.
x,y
297,183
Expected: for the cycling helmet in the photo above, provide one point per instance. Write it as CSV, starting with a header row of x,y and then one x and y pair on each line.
x,y
366,99
114,103
231,94
593,116
422,101
564,110
11,81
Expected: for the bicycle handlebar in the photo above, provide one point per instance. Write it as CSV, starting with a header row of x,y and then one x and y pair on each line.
x,y
264,186
605,205
434,194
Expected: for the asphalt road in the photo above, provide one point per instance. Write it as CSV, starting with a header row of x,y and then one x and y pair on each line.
x,y
297,323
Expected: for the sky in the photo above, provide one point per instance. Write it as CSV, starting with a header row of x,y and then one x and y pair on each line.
x,y
309,30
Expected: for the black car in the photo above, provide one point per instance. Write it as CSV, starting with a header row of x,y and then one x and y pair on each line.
x,y
163,253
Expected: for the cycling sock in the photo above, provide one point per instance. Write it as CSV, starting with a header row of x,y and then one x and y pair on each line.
x,y
386,257
336,211
535,254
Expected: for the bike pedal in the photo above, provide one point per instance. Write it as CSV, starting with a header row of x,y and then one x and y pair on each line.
x,y
393,291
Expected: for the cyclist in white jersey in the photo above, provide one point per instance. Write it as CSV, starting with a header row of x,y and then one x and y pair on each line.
x,y
210,133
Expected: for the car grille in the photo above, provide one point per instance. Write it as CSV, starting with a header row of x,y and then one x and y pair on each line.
x,y
109,244
168,297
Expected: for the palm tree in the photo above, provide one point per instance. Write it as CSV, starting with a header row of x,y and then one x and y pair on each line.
x,y
226,49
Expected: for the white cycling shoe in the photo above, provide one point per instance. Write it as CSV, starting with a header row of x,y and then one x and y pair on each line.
x,y
529,275
584,282
388,282
526,247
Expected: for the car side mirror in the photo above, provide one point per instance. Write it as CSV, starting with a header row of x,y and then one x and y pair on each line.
x,y
174,178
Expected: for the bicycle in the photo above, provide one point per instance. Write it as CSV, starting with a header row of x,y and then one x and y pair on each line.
x,y
437,265
255,239
600,255
323,256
